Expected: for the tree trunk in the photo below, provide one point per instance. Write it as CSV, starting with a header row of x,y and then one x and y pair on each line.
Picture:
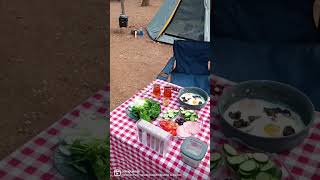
x,y
145,3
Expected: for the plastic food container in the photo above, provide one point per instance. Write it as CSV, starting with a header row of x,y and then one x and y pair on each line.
x,y
193,151
153,136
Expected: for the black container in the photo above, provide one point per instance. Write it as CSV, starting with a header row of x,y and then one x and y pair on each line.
x,y
123,21
273,92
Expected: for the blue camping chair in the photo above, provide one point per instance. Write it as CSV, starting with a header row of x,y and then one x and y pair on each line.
x,y
271,40
189,65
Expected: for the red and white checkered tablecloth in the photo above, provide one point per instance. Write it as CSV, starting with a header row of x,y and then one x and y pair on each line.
x,y
128,154
301,163
33,161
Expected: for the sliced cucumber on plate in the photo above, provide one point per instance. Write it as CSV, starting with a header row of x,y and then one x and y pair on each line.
x,y
251,166
260,157
189,115
215,160
229,150
171,114
263,176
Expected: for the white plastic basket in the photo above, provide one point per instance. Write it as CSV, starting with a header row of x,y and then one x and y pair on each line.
x,y
153,136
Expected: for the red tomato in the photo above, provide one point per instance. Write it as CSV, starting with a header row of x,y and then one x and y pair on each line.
x,y
175,126
167,128
163,123
174,133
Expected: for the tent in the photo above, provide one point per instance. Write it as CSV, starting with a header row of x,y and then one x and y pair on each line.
x,y
181,20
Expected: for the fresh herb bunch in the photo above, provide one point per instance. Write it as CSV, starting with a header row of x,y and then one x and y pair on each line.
x,y
146,109
91,157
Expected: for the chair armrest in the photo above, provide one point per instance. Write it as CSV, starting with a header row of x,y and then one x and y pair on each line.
x,y
166,71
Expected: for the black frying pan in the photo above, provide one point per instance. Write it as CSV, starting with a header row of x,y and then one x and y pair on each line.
x,y
273,92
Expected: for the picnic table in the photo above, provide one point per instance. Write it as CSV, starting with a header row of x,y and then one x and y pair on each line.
x,y
131,158
300,163
34,159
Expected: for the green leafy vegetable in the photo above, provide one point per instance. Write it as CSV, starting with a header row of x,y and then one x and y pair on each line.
x,y
91,157
145,109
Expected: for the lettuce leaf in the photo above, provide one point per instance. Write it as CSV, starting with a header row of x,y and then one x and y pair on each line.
x,y
146,109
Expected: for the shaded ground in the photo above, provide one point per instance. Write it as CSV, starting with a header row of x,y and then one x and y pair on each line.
x,y
134,62
52,57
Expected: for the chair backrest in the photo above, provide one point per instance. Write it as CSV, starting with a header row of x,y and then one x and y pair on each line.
x,y
192,57
265,20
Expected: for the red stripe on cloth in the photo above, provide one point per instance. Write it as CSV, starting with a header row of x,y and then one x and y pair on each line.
x,y
30,170
53,131
43,158
87,105
14,162
102,110
315,177
2,174
303,159
17,178
75,113
315,137
27,151
47,176
309,147
97,96
65,122
297,170
40,141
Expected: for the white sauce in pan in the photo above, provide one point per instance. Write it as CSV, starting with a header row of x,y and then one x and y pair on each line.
x,y
192,99
264,125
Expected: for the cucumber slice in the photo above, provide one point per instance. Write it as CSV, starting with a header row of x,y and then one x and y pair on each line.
x,y
244,178
263,176
235,160
245,174
248,166
229,150
215,157
250,155
214,165
245,156
277,174
268,167
260,157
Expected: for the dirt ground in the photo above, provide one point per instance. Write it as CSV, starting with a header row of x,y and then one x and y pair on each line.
x,y
134,62
52,57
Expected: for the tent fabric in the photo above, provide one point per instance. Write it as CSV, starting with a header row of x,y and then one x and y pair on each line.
x,y
181,20
295,64
188,22
207,32
265,20
161,18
